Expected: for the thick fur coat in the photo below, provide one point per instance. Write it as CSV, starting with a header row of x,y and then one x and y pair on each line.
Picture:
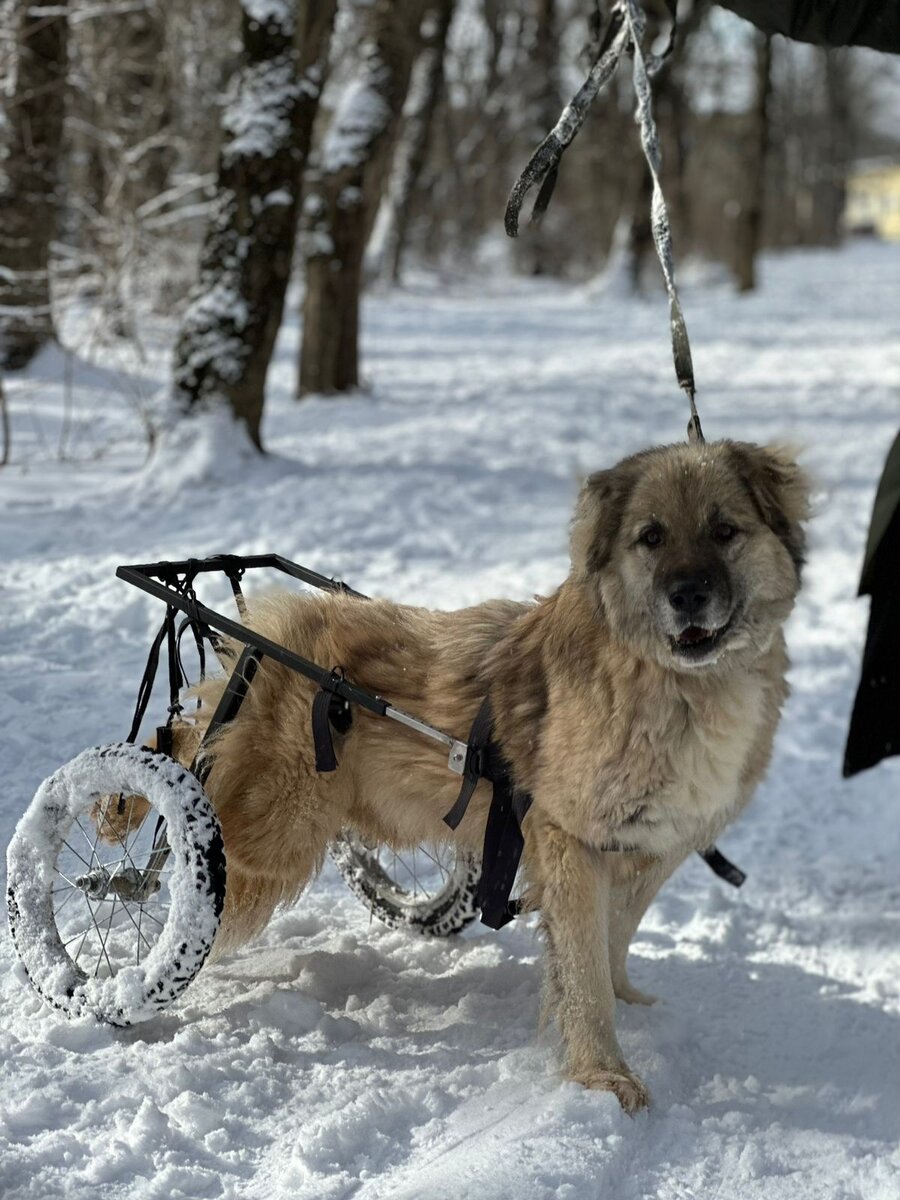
x,y
637,704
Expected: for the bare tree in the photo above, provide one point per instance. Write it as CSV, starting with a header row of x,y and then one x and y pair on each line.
x,y
223,351
124,146
748,234
6,450
341,209
426,87
671,91
840,133
542,102
29,201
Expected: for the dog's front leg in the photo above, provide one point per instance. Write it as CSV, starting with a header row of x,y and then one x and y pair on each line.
x,y
634,886
575,887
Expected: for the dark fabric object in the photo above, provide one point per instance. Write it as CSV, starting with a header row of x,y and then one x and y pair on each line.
x,y
503,840
329,712
479,743
145,689
503,845
873,23
875,722
723,867
321,731
887,502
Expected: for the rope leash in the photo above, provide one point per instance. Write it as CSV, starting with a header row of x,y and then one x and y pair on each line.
x,y
626,31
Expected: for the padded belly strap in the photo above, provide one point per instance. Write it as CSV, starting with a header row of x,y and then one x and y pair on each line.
x,y
503,840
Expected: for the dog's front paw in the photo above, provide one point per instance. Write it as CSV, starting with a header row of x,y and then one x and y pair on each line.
x,y
630,994
627,1088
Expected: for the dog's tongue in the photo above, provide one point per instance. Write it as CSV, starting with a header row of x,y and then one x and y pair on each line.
x,y
693,634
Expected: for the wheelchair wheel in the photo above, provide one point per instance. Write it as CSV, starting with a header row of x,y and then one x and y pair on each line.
x,y
116,881
430,889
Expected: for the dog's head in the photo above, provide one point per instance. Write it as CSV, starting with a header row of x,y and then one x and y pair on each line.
x,y
694,551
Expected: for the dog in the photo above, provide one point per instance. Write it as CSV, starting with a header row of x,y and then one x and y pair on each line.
x,y
637,705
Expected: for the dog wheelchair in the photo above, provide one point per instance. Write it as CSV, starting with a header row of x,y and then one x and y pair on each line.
x,y
117,871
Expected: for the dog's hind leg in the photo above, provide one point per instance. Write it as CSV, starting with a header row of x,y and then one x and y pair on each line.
x,y
574,891
277,818
250,901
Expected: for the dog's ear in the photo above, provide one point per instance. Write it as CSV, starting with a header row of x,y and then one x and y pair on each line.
x,y
780,491
598,515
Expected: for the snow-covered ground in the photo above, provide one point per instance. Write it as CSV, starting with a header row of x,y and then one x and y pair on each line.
x,y
336,1058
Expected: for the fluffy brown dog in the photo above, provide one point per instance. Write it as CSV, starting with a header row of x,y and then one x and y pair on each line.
x,y
637,704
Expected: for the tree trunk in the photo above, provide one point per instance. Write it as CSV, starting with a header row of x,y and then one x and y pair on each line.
x,y
670,95
543,103
342,208
228,333
749,227
123,147
29,203
426,86
640,249
5,437
676,79
839,141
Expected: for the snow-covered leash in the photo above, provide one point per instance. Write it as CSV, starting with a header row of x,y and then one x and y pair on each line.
x,y
625,32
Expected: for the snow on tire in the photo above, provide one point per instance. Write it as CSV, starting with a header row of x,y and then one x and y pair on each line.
x,y
174,947
434,892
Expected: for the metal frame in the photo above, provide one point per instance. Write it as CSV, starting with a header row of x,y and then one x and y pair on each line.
x,y
173,583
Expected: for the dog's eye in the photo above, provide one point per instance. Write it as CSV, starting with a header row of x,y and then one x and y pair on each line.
x,y
723,532
652,536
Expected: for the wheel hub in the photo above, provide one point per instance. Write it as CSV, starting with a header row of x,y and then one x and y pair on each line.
x,y
127,884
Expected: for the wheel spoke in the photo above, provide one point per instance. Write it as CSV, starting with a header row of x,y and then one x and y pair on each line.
x,y
137,926
151,916
440,866
404,872
80,933
70,882
77,855
86,838
103,941
72,891
127,856
96,839
88,930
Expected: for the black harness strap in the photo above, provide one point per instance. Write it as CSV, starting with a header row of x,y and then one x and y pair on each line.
x,y
503,840
723,867
228,707
201,632
145,687
176,679
479,741
234,578
502,852
329,711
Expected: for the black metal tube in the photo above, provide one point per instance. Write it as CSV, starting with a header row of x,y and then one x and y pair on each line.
x,y
145,577
228,563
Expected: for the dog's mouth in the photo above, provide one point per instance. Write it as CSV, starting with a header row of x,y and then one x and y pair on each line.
x,y
696,641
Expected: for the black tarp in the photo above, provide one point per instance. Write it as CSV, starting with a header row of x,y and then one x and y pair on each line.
x,y
875,723
873,23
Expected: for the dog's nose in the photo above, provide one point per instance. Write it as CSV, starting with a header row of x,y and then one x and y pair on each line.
x,y
690,596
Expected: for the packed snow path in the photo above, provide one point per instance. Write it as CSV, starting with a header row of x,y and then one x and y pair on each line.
x,y
333,1057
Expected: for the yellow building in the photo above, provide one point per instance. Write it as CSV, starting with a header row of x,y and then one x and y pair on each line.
x,y
873,199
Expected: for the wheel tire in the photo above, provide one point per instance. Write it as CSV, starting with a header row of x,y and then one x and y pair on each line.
x,y
195,885
446,910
